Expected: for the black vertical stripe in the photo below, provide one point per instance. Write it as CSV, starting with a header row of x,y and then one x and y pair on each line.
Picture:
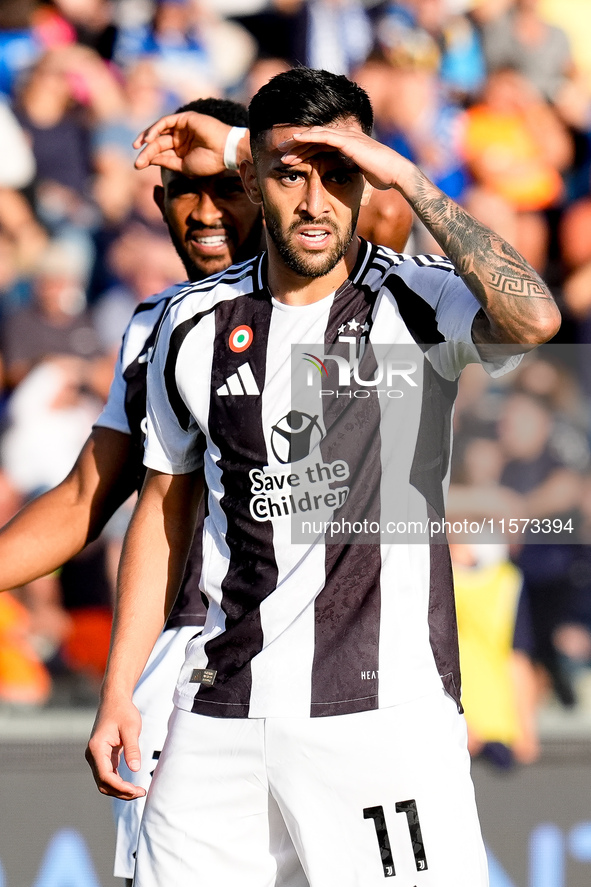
x,y
178,336
443,626
433,448
420,318
235,423
134,376
188,608
347,610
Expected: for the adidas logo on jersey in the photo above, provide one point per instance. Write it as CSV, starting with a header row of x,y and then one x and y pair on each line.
x,y
239,383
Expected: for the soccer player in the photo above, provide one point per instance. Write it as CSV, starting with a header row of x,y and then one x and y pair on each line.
x,y
315,737
212,223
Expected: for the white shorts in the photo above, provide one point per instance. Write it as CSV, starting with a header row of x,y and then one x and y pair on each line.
x,y
331,802
153,697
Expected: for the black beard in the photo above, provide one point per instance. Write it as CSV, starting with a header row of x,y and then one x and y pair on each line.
x,y
300,263
194,273
251,246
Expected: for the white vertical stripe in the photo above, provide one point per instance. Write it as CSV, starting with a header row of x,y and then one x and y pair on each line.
x,y
196,363
406,663
281,672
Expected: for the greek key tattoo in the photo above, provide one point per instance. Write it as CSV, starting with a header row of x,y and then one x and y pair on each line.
x,y
502,281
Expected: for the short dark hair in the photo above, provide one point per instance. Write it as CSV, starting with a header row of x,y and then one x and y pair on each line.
x,y
307,97
231,113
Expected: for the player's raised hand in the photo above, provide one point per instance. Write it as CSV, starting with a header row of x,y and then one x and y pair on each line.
x,y
116,729
189,143
382,167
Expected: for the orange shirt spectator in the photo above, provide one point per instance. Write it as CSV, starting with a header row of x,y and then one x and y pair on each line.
x,y
515,144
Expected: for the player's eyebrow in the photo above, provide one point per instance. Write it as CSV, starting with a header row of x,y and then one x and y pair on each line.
x,y
279,166
344,163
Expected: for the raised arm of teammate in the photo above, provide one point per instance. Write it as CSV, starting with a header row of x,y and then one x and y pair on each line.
x,y
517,307
152,565
189,143
58,524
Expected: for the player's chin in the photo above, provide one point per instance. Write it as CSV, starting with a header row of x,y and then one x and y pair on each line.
x,y
315,263
208,265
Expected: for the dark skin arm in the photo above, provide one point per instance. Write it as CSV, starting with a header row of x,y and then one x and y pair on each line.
x,y
51,529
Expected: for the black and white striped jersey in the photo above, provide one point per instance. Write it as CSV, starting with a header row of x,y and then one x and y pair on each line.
x,y
308,625
125,411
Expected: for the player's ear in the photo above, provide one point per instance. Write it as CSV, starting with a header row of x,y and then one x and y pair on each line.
x,y
366,195
249,181
158,195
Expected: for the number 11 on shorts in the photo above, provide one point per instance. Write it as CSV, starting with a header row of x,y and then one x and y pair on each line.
x,y
414,828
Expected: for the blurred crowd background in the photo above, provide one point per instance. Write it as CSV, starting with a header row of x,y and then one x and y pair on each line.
x,y
492,99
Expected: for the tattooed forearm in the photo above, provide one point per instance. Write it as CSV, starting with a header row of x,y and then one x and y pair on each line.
x,y
518,307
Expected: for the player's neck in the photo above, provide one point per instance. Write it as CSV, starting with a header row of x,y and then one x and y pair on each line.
x,y
292,289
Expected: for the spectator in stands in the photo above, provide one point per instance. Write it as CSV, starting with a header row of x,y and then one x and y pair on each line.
x,y
144,262
67,91
194,51
575,246
56,323
50,415
549,489
24,241
144,101
517,147
414,116
20,46
18,162
411,114
499,687
520,38
338,35
92,23
462,68
574,17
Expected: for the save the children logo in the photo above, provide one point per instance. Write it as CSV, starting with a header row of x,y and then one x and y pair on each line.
x,y
311,487
294,436
302,482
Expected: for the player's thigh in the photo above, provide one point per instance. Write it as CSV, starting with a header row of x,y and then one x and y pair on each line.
x,y
209,818
384,794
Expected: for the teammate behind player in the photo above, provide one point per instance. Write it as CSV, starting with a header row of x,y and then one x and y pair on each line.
x,y
311,742
212,223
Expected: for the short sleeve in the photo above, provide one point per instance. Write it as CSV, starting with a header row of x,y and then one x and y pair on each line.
x,y
174,442
125,407
113,414
434,279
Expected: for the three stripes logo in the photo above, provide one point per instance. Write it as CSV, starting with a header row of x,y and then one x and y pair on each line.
x,y
239,383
